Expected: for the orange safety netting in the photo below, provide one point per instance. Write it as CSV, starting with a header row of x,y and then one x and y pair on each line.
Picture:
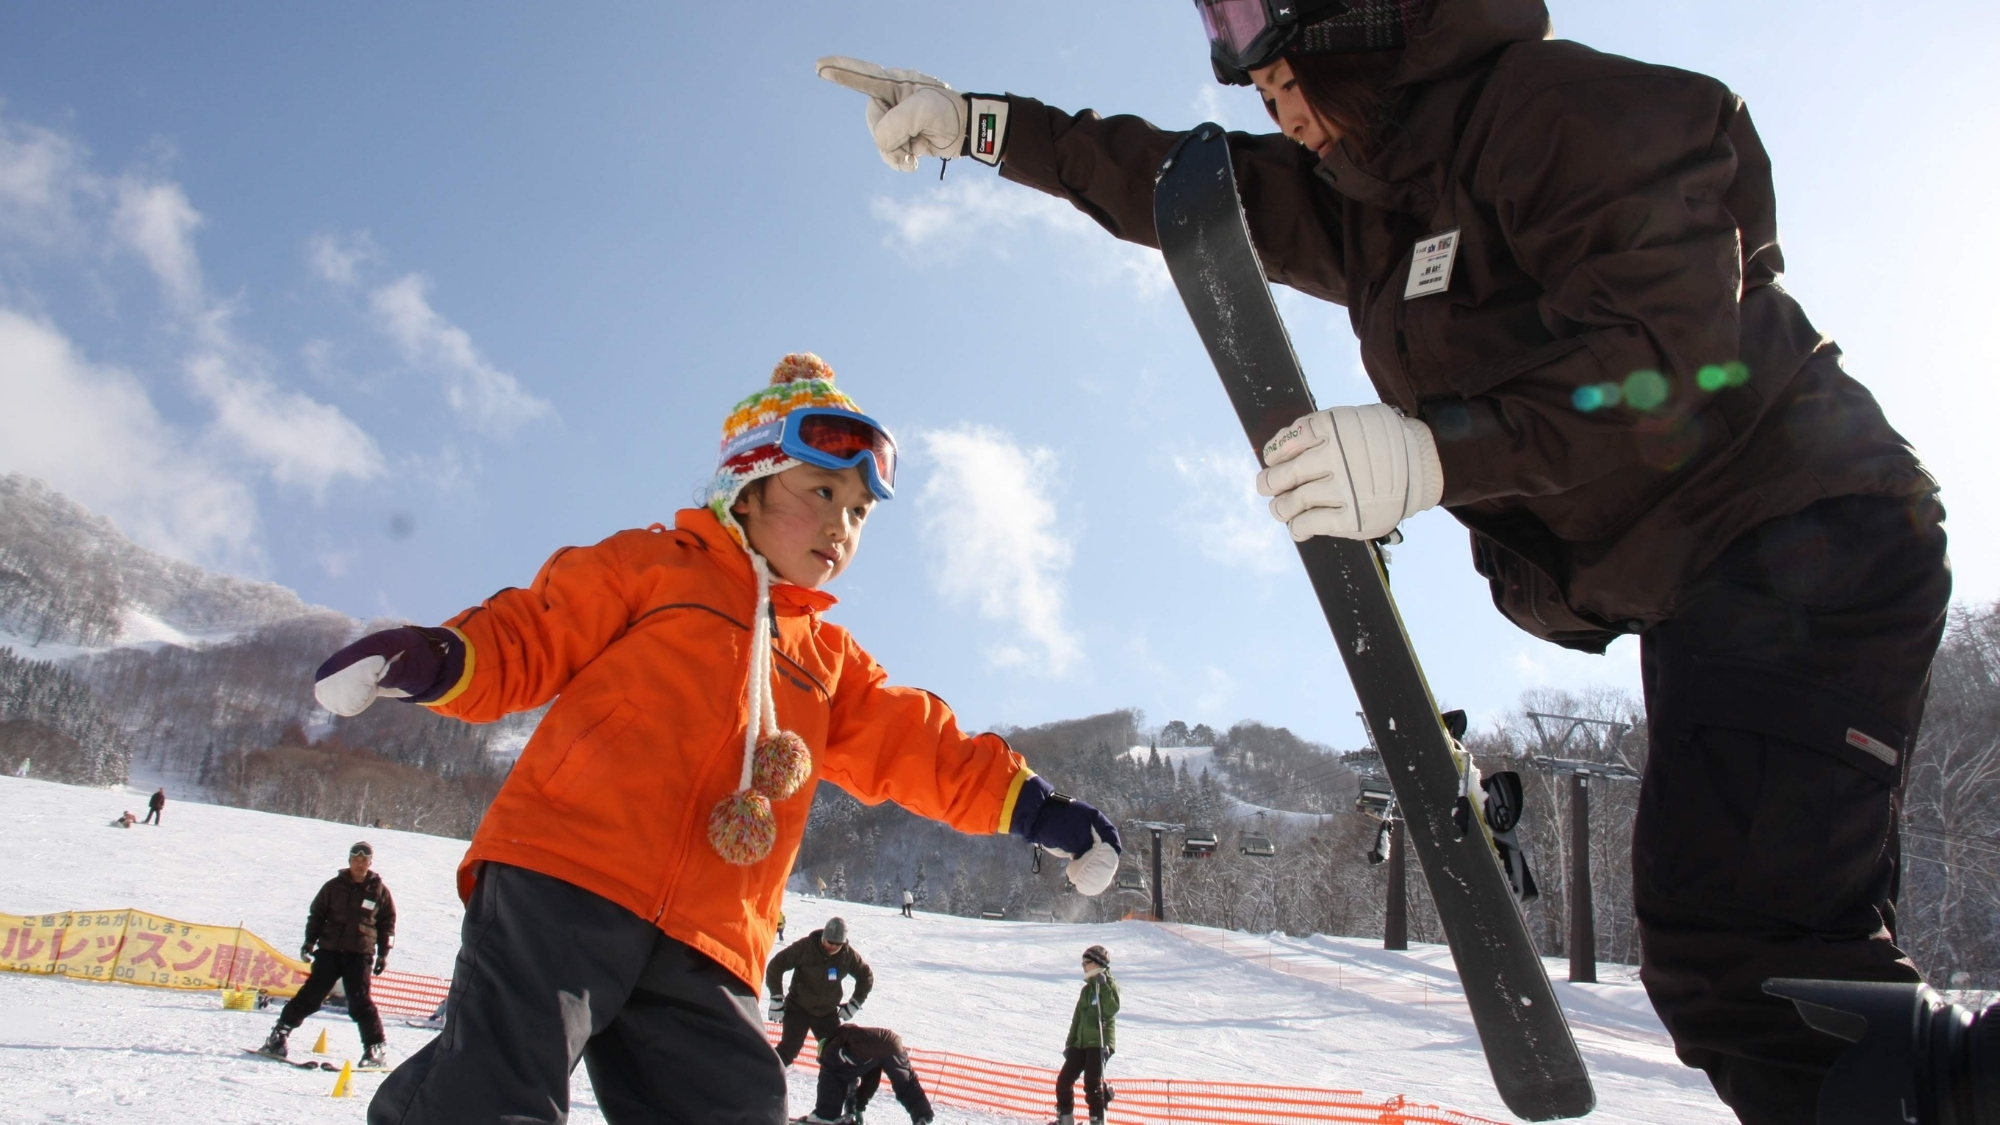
x,y
408,994
970,1082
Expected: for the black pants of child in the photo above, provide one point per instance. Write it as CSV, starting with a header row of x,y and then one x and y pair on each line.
x,y
329,968
548,973
797,1022
849,1087
1088,1062
1782,701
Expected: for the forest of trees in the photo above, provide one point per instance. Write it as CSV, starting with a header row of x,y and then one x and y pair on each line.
x,y
52,726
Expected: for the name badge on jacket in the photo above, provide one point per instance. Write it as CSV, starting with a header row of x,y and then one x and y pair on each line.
x,y
1430,264
832,973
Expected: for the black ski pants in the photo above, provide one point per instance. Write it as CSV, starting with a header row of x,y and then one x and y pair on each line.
x,y
329,968
152,817
1782,703
848,1087
1088,1062
548,973
798,1021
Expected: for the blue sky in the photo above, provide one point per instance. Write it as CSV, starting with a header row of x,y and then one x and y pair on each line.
x,y
386,303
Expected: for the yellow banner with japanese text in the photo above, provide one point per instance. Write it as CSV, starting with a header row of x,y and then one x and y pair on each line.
x,y
134,947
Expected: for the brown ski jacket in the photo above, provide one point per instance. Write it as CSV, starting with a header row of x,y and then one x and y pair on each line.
x,y
351,917
1618,384
816,975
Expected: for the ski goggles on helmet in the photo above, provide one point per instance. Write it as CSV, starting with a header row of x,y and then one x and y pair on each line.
x,y
1246,35
828,437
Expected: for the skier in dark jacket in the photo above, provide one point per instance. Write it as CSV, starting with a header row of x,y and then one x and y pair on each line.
x,y
818,963
1563,270
154,804
1093,1038
352,922
852,1062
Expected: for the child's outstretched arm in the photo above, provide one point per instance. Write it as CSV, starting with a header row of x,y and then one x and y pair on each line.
x,y
904,745
511,653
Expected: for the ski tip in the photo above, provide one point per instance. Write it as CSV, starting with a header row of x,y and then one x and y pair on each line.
x,y
1558,1102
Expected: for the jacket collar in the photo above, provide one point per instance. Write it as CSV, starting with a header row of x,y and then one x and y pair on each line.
x,y
787,600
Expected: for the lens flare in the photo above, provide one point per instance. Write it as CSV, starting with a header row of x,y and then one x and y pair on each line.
x,y
1596,396
1645,390
1715,376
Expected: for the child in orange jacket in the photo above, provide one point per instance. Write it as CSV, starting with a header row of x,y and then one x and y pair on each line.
x,y
622,891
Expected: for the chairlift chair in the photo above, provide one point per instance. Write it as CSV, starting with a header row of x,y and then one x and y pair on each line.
x,y
1131,879
1375,797
992,913
1198,844
1256,844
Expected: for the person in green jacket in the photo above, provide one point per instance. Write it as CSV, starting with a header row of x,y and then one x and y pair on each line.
x,y
1093,1038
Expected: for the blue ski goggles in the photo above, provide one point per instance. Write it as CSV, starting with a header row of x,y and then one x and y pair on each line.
x,y
827,437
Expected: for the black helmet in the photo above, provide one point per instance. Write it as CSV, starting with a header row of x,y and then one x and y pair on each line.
x,y
1244,35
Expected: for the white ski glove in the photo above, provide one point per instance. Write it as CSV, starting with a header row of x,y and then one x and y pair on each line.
x,y
848,1009
1092,871
777,1013
1353,472
913,115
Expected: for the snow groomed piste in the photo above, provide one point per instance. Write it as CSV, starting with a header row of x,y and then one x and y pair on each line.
x,y
120,946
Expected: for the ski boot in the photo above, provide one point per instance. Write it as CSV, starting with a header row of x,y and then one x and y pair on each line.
x,y
1064,1119
274,1043
374,1056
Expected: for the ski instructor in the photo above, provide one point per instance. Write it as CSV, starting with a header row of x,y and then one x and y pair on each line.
x,y
1563,270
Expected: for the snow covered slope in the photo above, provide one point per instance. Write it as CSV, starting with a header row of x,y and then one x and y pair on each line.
x,y
71,583
1196,1004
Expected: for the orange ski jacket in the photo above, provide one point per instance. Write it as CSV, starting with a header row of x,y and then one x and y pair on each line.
x,y
642,641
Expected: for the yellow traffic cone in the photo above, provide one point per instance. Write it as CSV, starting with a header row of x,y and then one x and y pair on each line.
x,y
319,1045
341,1083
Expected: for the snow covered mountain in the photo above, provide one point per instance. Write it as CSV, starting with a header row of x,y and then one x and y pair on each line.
x,y
1199,1004
71,580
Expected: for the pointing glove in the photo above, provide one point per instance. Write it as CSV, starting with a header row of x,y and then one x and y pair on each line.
x,y
1069,829
913,115
848,1009
1353,472
777,1012
410,663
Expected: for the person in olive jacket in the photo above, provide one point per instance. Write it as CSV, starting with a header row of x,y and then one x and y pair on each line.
x,y
1093,1038
818,963
352,922
1564,272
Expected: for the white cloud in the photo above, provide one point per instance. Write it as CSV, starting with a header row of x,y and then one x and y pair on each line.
x,y
157,221
42,183
487,398
1223,516
338,259
988,215
93,432
996,542
301,441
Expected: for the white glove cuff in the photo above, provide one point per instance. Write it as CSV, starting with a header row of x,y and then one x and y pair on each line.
x,y
985,128
1426,471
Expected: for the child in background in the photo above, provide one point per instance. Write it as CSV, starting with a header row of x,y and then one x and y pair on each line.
x,y
1093,1037
622,890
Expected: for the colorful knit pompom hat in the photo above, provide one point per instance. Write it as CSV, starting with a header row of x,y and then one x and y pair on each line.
x,y
742,827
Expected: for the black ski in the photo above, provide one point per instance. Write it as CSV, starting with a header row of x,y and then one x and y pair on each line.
x,y
1528,1045
310,1064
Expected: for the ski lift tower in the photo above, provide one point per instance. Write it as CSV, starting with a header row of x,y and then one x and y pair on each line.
x,y
1606,735
1159,894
